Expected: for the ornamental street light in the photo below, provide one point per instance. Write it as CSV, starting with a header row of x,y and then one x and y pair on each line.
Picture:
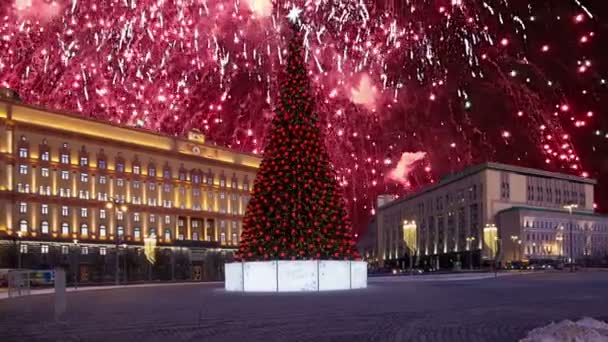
x,y
19,235
409,237
470,240
514,239
76,264
570,207
119,207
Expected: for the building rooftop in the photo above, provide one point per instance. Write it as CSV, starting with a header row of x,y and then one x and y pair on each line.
x,y
471,170
552,210
194,145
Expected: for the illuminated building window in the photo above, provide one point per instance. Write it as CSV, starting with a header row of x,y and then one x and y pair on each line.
x,y
101,164
152,218
167,203
102,231
234,238
136,169
234,198
135,184
83,194
23,249
120,230
152,172
180,222
194,223
84,177
102,251
65,158
167,173
234,184
120,182
44,249
84,212
103,179
102,213
167,234
65,175
84,229
65,211
196,178
210,179
23,226
23,152
167,187
65,249
44,172
182,176
136,232
180,237
84,161
119,215
64,192
152,186
120,167
45,156
44,209
84,250
45,190
136,217
102,196
222,195
222,181
65,228
223,238
44,227
222,224
196,192
23,207
23,169
152,232
167,219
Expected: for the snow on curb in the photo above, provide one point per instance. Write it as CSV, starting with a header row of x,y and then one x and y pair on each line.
x,y
585,330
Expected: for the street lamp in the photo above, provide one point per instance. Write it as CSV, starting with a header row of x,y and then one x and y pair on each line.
x,y
514,239
19,235
570,207
76,264
409,237
470,240
118,206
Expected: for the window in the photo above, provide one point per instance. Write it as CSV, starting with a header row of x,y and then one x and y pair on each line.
x,y
23,249
180,237
102,213
23,152
182,176
45,156
136,217
136,169
152,172
84,161
102,231
167,234
103,180
44,172
84,212
196,192
167,173
180,222
119,215
101,163
65,175
44,209
84,177
65,228
65,249
194,224
137,233
167,219
120,230
84,229
234,238
222,182
65,158
196,178
84,250
152,218
44,227
195,236
120,182
135,184
223,238
65,211
152,186
102,251
23,169
167,187
120,167
23,207
44,249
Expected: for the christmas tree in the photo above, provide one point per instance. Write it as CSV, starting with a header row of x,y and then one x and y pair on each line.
x,y
296,211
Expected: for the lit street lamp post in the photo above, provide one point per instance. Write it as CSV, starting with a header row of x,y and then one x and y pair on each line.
x,y
514,239
19,234
118,207
409,237
570,207
470,240
76,263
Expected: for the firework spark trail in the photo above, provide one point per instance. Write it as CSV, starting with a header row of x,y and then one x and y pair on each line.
x,y
172,65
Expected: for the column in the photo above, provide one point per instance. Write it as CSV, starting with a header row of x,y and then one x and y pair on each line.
x,y
205,227
188,228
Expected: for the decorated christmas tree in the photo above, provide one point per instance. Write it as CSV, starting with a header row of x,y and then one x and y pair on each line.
x,y
296,211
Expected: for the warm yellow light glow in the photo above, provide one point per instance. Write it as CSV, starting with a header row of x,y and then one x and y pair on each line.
x,y
149,248
410,236
490,240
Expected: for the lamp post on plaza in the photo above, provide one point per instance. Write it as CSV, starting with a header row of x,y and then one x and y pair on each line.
x,y
76,263
570,207
409,237
19,235
560,241
119,207
470,240
514,239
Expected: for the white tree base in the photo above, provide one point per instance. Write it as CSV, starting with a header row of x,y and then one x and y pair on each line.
x,y
295,276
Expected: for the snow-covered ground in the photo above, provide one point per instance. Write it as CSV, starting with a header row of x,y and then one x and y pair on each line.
x,y
585,330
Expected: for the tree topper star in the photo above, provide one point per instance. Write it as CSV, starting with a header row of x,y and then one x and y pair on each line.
x,y
294,14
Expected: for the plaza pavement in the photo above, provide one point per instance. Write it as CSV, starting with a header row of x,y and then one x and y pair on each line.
x,y
391,309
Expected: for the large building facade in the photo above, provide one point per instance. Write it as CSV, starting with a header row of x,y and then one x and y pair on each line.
x,y
495,212
68,182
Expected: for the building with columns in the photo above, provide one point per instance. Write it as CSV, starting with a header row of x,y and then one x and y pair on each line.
x,y
495,212
68,180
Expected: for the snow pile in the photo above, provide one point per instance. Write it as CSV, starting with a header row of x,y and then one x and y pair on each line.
x,y
585,330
